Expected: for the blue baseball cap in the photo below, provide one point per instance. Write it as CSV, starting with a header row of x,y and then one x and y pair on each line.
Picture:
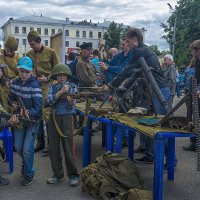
x,y
25,63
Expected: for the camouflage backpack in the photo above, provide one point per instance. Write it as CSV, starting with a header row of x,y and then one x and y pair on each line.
x,y
111,177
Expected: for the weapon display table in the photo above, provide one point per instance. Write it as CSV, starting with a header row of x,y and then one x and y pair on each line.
x,y
125,122
87,132
159,134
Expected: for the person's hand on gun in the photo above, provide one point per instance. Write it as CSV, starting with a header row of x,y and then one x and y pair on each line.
x,y
13,120
103,66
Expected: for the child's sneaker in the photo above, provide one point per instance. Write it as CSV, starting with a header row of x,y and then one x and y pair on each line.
x,y
54,180
28,180
74,181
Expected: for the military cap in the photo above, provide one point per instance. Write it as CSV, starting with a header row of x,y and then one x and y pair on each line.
x,y
11,43
195,44
33,35
86,46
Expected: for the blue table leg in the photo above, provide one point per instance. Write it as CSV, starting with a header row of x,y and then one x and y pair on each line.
x,y
131,136
109,137
86,146
158,168
119,137
171,158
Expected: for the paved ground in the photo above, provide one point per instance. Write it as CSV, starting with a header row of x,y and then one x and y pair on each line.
x,y
185,186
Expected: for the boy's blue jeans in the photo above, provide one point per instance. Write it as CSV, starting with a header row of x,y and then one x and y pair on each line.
x,y
24,144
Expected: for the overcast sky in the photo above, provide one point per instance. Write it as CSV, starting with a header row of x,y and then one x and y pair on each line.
x,y
138,13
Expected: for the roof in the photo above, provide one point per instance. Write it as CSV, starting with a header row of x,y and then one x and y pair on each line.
x,y
36,19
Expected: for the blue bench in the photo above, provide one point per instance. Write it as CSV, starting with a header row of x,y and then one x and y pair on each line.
x,y
7,138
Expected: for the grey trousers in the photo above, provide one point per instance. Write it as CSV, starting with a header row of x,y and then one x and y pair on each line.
x,y
65,122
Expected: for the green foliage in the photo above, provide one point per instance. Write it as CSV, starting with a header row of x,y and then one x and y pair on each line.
x,y
114,34
187,15
155,49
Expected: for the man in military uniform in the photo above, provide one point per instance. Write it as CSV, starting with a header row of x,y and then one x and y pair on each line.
x,y
84,69
10,58
44,59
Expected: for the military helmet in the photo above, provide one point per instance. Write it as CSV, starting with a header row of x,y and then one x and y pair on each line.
x,y
195,44
11,43
61,69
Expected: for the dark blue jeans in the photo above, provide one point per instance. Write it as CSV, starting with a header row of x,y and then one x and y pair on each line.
x,y
24,144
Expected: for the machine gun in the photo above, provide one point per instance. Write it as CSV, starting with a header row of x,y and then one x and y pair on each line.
x,y
148,80
21,119
77,95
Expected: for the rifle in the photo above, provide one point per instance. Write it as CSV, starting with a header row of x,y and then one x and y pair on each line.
x,y
24,120
76,95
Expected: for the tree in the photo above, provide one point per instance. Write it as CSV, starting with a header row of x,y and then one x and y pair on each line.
x,y
187,15
155,49
113,35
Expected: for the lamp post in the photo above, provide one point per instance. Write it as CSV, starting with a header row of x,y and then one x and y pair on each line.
x,y
174,31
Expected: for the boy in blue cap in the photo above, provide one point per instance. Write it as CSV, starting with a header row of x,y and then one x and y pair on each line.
x,y
26,98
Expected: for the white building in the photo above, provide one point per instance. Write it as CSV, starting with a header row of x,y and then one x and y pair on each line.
x,y
76,32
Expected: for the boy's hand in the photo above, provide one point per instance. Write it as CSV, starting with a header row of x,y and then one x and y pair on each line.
x,y
13,120
43,78
64,89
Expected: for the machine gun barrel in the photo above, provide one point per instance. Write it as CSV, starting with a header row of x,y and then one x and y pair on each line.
x,y
153,83
24,120
79,95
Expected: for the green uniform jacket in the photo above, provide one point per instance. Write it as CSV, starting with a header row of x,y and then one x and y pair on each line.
x,y
43,61
11,71
86,73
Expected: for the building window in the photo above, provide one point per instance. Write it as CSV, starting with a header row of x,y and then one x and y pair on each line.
x,y
66,32
46,31
84,34
39,30
66,43
91,34
53,31
23,29
17,40
77,44
46,42
77,34
16,29
59,30
24,41
99,34
31,29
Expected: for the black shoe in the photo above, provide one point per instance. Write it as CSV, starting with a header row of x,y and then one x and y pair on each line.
x,y
28,180
22,170
139,150
39,147
124,145
46,149
145,160
189,148
3,181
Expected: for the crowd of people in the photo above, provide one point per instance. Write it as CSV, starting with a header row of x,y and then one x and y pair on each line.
x,y
36,86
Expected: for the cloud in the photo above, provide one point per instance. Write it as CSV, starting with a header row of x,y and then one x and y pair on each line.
x,y
147,13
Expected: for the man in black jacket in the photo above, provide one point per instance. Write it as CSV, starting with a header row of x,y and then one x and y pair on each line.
x,y
124,80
